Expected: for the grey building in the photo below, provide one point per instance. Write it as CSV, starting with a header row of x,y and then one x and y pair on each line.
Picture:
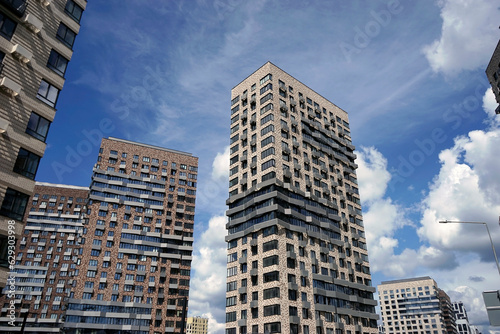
x,y
463,325
493,74
297,260
36,44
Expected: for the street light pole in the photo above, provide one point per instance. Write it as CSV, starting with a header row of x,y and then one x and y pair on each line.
x,y
489,234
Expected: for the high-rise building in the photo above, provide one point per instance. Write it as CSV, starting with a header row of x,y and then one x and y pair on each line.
x,y
449,318
462,320
493,74
197,325
415,306
36,41
297,260
137,243
46,258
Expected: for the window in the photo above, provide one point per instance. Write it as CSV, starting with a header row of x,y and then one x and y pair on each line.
x,y
272,293
66,35
48,93
73,10
14,204
26,163
273,244
57,63
7,26
272,310
272,327
270,260
38,127
271,276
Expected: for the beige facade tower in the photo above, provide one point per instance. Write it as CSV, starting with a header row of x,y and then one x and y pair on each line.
x,y
297,259
415,306
36,41
197,325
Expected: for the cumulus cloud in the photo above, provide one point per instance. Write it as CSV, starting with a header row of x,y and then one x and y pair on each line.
x,y
489,105
467,188
468,34
208,285
220,166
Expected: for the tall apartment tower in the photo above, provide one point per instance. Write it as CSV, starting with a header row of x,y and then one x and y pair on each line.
x,y
137,243
493,74
297,260
46,258
416,306
448,313
36,40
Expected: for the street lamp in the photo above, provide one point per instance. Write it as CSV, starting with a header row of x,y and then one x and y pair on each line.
x,y
487,229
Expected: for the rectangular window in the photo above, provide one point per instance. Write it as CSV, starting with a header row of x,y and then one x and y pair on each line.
x,y
273,244
38,127
26,163
48,93
266,78
273,327
73,10
268,164
272,310
267,141
272,293
57,63
14,204
7,26
66,35
271,276
267,129
270,260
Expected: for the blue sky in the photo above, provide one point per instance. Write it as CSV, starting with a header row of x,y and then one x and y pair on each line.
x,y
410,74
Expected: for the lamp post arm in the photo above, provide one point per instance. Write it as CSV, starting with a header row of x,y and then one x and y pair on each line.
x,y
493,247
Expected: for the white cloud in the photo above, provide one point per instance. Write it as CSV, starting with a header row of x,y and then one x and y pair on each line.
x,y
467,188
382,217
468,36
489,106
208,284
372,174
220,165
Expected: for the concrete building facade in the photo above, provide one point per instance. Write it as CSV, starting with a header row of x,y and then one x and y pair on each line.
x,y
462,319
297,260
415,306
493,74
137,246
46,257
36,41
197,325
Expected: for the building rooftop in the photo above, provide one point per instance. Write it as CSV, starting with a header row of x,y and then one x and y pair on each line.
x,y
406,280
150,146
